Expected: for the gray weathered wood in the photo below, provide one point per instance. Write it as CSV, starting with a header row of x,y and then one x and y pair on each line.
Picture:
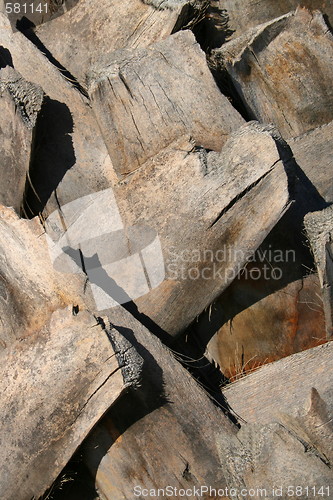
x,y
164,434
313,153
96,28
20,103
145,99
30,288
213,225
183,431
243,15
55,385
319,228
69,140
270,461
283,71
283,387
274,307
287,440
188,171
276,289
196,217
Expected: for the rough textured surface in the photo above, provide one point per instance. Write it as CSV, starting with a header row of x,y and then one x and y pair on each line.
x,y
227,184
280,285
319,228
313,153
129,360
245,14
170,4
280,67
288,409
93,28
68,142
20,103
283,387
59,382
145,99
125,448
192,192
30,288
199,239
163,434
27,96
280,453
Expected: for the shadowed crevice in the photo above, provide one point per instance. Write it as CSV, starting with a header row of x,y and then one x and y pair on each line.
x,y
5,58
213,30
52,155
